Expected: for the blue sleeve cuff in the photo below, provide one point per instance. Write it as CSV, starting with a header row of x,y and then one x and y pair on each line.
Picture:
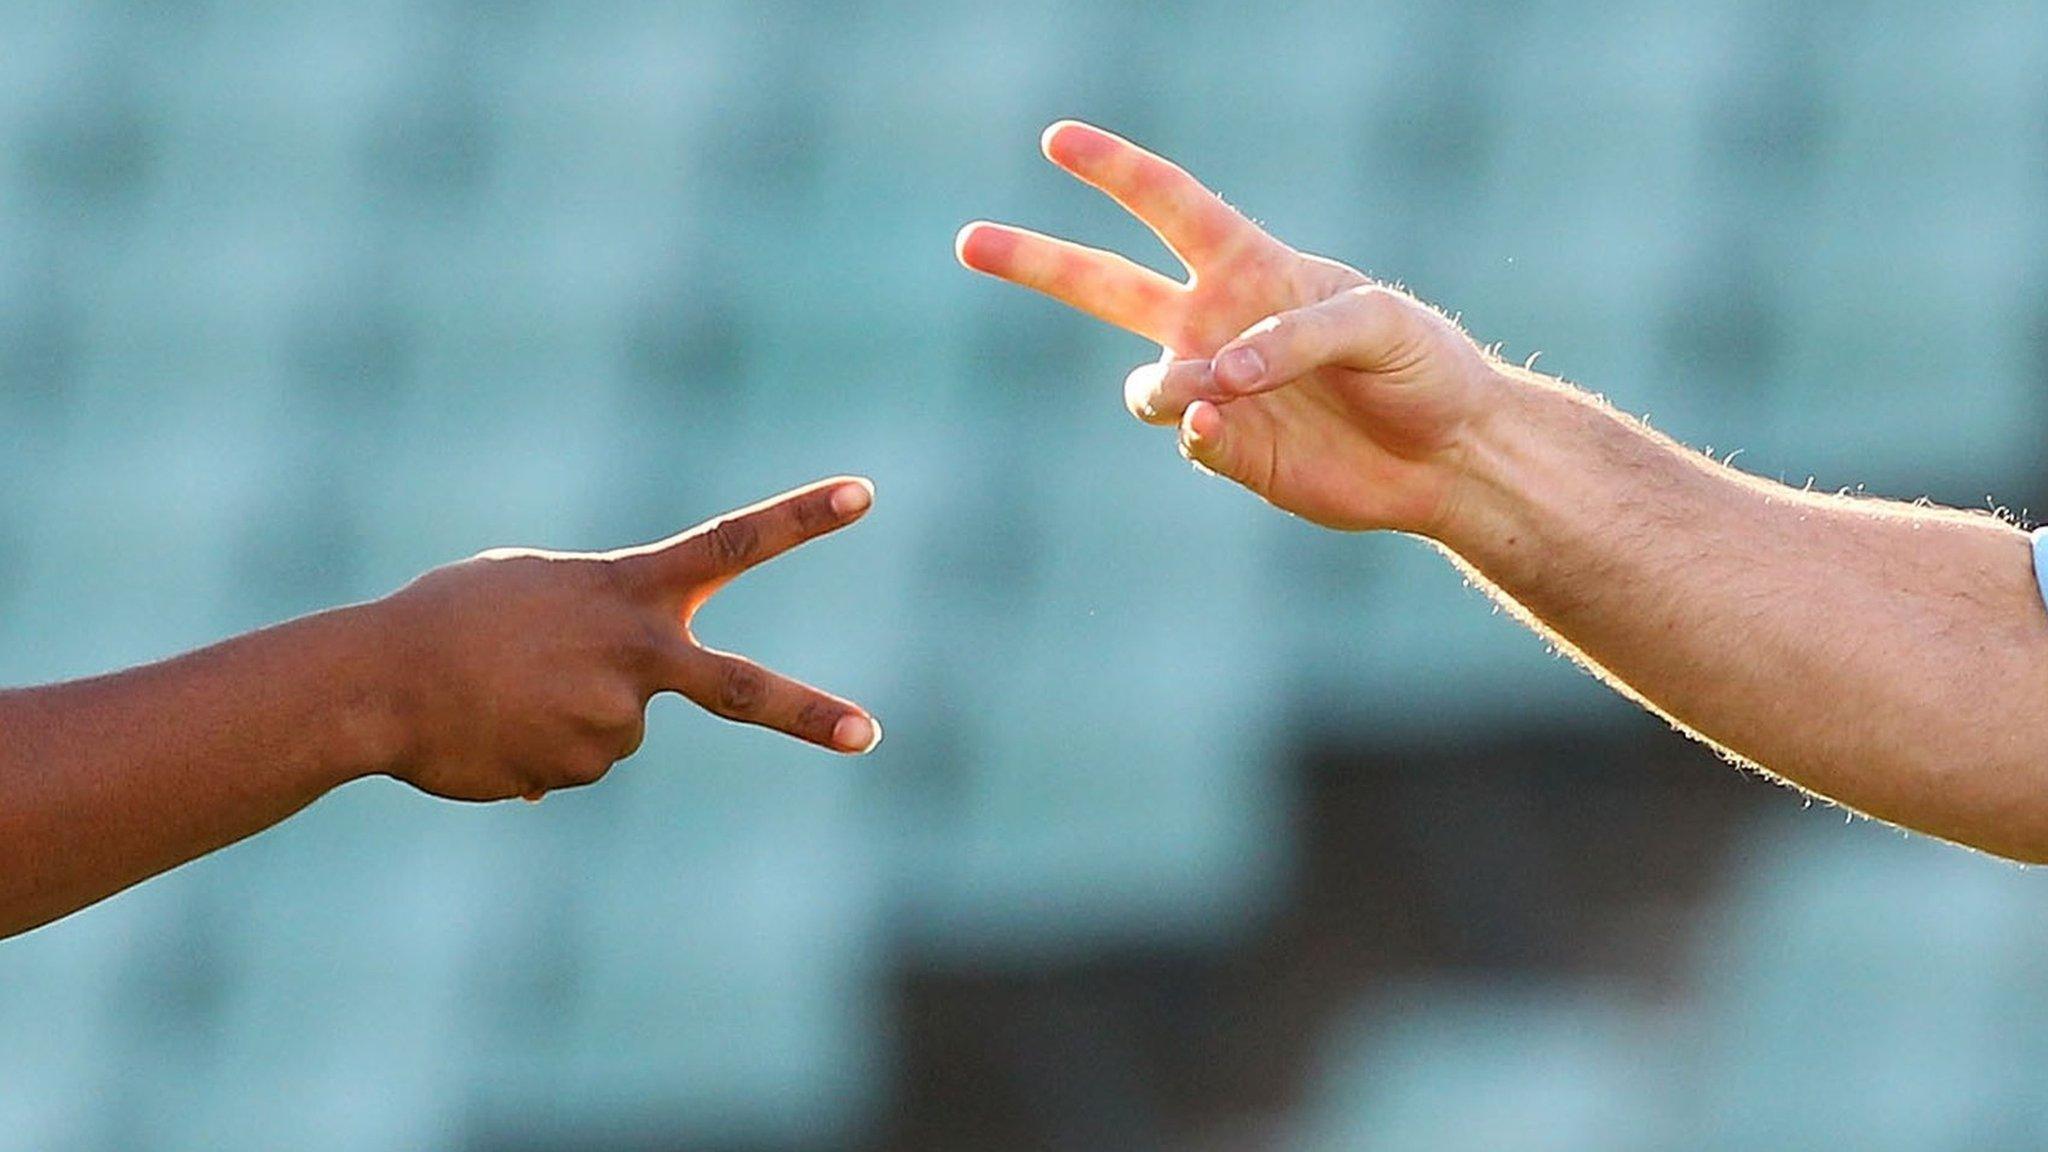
x,y
2041,562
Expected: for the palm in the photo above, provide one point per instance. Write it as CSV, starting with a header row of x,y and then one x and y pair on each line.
x,y
1338,446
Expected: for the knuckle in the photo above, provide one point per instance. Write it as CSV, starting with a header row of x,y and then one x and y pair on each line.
x,y
632,737
580,758
1278,341
731,541
589,768
623,578
740,690
813,513
621,709
815,720
1277,328
1139,389
1374,303
1394,322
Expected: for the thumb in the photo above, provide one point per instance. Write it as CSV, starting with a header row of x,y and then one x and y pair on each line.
x,y
1364,328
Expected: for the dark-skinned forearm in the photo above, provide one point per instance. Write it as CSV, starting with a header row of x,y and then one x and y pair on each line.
x,y
108,781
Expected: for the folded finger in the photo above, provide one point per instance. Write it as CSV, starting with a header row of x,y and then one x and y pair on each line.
x,y
1205,439
1159,392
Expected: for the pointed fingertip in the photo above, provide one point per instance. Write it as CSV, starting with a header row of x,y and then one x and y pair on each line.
x,y
1052,131
857,734
980,245
853,496
1067,142
963,240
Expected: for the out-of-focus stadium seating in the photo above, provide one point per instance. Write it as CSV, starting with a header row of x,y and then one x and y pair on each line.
x,y
1468,1068
1865,990
296,301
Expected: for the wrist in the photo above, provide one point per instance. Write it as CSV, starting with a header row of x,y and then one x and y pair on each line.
x,y
1551,472
1501,465
370,732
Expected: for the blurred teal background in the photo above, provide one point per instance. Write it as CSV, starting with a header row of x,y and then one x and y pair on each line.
x,y
1195,828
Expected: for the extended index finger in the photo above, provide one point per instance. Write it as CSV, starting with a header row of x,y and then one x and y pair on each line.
x,y
717,550
1193,221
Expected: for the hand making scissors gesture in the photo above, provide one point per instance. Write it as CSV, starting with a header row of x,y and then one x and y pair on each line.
x,y
1329,394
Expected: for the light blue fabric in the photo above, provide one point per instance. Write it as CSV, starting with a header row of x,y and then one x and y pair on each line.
x,y
2041,561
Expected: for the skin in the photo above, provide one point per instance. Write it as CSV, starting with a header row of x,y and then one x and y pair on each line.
x,y
1873,653
509,674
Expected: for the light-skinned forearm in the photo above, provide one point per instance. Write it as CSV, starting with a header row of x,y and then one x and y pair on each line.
x,y
1883,655
108,781
1886,656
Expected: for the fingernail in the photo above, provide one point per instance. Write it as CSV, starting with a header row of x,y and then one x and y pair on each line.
x,y
534,796
1240,368
856,733
852,499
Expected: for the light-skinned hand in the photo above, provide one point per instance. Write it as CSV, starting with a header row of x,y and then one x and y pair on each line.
x,y
1343,400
